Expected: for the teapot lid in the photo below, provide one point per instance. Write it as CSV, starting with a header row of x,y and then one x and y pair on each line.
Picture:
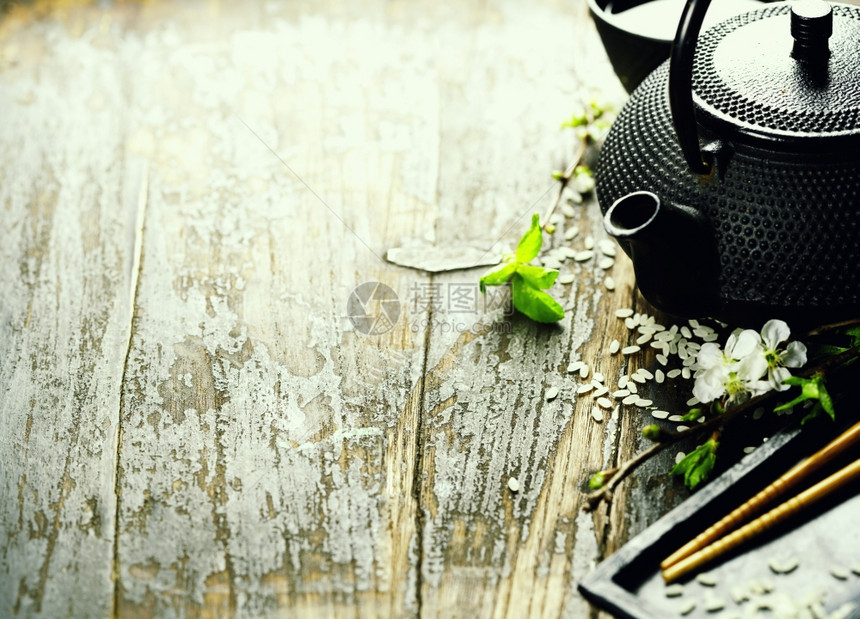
x,y
787,73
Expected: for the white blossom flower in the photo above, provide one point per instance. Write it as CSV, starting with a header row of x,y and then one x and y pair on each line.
x,y
735,371
773,334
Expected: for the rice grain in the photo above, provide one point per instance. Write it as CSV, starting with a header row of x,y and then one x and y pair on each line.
x,y
607,247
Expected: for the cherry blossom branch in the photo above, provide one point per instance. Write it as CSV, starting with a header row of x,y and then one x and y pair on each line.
x,y
831,327
611,478
564,179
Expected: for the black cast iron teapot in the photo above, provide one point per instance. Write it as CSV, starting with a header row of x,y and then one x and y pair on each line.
x,y
732,175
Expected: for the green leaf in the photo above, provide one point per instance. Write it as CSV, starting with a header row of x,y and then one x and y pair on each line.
x,y
575,121
810,389
698,464
498,277
529,246
825,400
539,277
534,303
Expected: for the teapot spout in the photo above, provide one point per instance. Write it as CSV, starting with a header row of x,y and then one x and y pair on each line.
x,y
673,252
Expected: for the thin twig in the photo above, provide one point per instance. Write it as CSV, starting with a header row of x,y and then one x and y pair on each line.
x,y
564,179
830,327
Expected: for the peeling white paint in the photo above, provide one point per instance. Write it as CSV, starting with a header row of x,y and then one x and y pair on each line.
x,y
254,419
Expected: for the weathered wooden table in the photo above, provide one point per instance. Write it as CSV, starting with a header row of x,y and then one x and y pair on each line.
x,y
195,419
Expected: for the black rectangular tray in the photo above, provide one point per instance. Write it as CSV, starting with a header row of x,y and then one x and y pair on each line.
x,y
822,538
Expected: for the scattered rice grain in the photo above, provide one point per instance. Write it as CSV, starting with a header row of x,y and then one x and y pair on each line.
x,y
713,604
739,594
839,572
588,242
630,323
685,373
659,414
631,399
604,402
687,607
551,393
639,378
605,263
676,418
783,567
681,427
706,578
674,590
584,388
642,339
673,373
621,393
570,233
631,387
574,367
685,331
609,283
607,247
599,377
597,414
643,403
513,484
693,401
659,376
623,382
629,350
749,450
662,360
679,456
582,256
614,347
550,262
583,371
600,391
567,278
624,313
645,373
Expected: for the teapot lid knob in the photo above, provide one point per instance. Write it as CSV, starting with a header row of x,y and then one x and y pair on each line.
x,y
811,27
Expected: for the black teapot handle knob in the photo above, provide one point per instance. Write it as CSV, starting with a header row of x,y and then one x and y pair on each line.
x,y
681,84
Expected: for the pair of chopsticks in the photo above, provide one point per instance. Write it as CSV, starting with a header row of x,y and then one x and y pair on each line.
x,y
728,533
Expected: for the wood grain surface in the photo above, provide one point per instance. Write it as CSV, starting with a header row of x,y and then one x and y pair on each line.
x,y
191,425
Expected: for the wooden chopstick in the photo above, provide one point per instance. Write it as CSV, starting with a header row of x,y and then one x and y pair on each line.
x,y
778,488
793,505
